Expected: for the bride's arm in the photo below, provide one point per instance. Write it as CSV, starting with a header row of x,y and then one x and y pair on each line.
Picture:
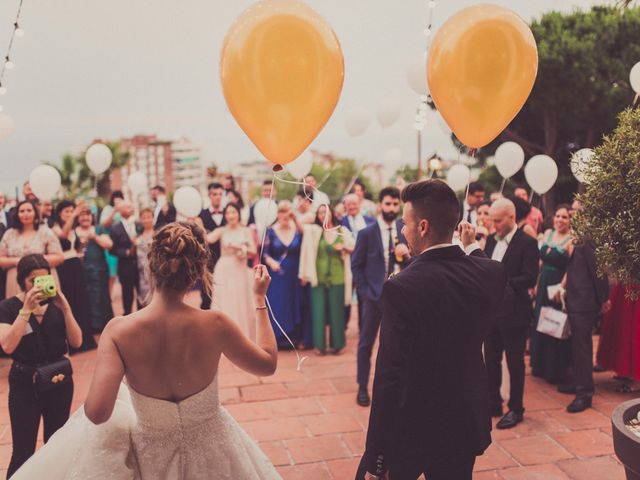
x,y
106,378
261,357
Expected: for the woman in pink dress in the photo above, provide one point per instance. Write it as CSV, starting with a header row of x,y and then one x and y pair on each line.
x,y
232,278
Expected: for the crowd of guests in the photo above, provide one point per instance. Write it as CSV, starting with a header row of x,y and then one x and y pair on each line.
x,y
322,259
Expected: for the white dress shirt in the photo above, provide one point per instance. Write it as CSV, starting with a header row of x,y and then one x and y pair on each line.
x,y
384,234
465,214
3,218
356,224
502,245
216,217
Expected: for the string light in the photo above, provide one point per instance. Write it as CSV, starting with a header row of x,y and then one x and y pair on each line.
x,y
19,32
8,62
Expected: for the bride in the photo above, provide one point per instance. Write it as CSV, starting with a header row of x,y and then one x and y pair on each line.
x,y
165,421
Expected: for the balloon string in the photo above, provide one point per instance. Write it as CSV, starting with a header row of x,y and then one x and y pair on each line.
x,y
504,182
339,230
300,360
531,196
635,100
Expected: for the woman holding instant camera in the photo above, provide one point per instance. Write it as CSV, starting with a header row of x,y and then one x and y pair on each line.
x,y
36,329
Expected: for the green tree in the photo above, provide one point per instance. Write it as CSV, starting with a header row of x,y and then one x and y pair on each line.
x,y
611,202
408,173
78,180
582,85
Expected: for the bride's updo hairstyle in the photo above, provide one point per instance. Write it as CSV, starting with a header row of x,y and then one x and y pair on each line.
x,y
179,256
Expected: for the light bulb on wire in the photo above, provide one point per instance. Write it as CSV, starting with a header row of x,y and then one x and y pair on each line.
x,y
9,65
19,32
432,4
3,90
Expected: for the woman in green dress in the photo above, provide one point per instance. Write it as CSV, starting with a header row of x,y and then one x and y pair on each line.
x,y
550,357
94,242
325,264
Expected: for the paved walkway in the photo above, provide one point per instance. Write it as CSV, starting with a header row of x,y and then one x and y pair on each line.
x,y
311,428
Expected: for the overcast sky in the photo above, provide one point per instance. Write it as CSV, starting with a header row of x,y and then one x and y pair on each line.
x,y
113,68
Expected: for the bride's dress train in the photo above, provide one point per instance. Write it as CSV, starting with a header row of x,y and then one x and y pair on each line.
x,y
148,438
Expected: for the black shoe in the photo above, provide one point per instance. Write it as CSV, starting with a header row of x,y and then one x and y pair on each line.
x,y
579,404
510,420
567,388
496,412
363,397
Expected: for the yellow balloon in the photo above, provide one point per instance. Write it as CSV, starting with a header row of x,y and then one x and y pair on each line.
x,y
282,72
482,66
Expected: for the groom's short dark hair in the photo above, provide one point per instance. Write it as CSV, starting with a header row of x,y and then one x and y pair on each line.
x,y
436,202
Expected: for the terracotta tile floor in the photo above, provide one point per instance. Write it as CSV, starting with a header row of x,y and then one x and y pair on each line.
x,y
309,425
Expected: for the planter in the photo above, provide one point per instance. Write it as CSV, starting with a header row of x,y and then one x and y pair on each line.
x,y
626,443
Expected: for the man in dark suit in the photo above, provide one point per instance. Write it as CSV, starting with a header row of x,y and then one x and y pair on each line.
x,y
164,212
212,218
430,412
123,234
380,251
519,254
355,222
587,295
473,199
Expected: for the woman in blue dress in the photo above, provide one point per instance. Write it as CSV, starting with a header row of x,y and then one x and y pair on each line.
x,y
282,257
550,357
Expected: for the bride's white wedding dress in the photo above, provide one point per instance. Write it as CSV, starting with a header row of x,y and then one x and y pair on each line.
x,y
148,438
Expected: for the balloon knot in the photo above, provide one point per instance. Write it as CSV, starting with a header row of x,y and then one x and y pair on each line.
x,y
277,168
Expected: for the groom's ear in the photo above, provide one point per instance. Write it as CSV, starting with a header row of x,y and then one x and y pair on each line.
x,y
423,227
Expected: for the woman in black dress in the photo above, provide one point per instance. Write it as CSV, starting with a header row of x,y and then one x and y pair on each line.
x,y
71,273
36,334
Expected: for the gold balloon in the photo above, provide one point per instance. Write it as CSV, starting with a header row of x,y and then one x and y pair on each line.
x,y
482,66
282,72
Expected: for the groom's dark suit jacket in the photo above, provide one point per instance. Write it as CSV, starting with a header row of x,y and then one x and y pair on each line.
x,y
430,393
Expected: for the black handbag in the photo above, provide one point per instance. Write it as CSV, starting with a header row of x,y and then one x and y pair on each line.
x,y
52,375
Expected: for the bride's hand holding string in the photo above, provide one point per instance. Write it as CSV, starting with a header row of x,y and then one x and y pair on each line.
x,y
261,281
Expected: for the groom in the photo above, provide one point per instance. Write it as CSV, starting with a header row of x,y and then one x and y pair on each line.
x,y
430,411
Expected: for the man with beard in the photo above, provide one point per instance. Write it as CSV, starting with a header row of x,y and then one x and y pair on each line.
x,y
381,250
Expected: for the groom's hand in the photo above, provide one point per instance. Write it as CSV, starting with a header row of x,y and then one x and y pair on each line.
x,y
467,233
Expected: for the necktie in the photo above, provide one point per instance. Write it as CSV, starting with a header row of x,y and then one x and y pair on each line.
x,y
390,257
469,215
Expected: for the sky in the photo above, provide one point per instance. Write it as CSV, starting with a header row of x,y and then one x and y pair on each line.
x,y
90,69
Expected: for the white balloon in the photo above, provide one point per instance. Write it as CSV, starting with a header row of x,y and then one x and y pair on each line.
x,y
265,212
300,167
580,160
458,177
187,201
6,126
509,159
98,158
45,182
541,173
393,156
388,113
357,121
634,78
417,77
137,182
